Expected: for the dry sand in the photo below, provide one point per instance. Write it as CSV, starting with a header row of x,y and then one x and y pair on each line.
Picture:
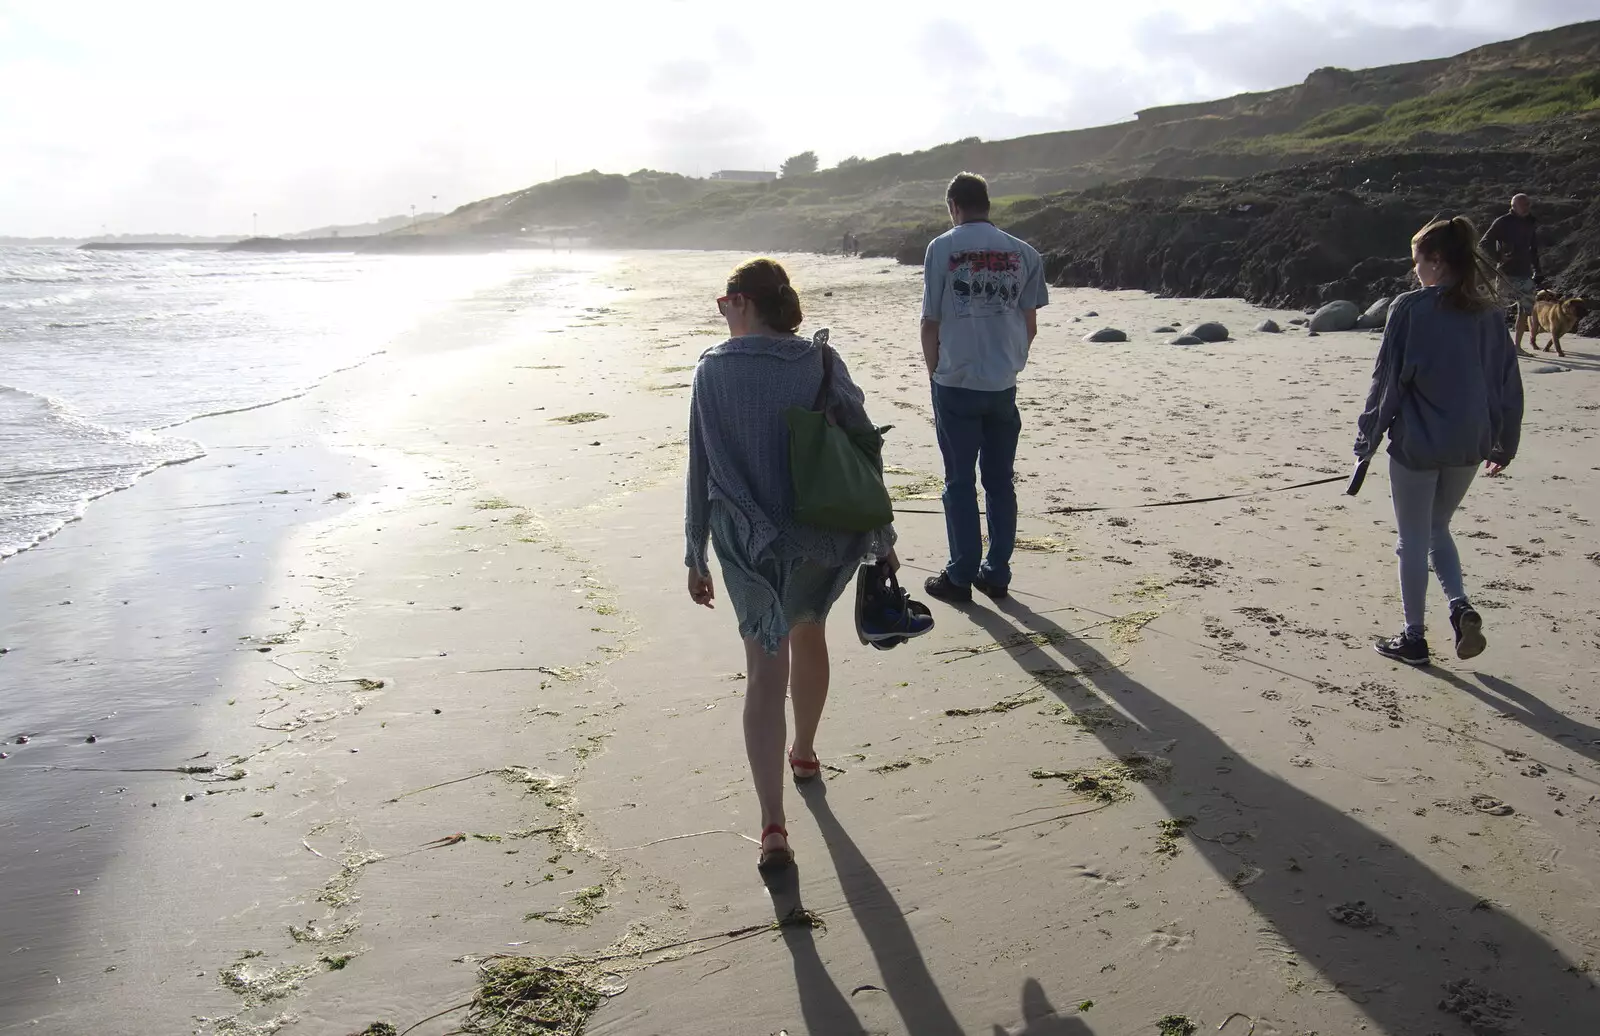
x,y
1168,779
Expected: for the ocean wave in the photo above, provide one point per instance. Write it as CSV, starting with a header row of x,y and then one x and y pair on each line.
x,y
61,299
54,463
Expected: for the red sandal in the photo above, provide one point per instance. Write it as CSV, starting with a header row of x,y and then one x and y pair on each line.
x,y
774,859
802,770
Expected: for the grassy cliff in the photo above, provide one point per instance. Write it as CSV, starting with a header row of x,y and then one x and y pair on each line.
x,y
1167,200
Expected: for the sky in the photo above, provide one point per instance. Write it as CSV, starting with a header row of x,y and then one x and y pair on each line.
x,y
216,117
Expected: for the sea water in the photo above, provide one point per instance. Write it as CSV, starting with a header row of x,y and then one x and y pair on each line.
x,y
105,357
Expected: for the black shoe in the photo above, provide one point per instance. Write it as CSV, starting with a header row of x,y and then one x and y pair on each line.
x,y
1410,650
990,590
941,588
1468,624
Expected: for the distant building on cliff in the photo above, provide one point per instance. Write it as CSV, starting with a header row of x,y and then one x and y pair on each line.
x,y
744,175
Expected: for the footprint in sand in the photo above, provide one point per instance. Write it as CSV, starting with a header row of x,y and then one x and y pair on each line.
x,y
1491,805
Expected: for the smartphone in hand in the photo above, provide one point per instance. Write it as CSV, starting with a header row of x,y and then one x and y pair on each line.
x,y
1358,476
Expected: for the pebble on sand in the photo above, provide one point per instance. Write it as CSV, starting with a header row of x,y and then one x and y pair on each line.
x,y
1375,317
1340,315
1106,334
1299,321
1187,340
1269,327
1550,368
1210,331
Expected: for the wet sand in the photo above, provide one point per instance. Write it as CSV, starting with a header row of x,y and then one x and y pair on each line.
x,y
1168,779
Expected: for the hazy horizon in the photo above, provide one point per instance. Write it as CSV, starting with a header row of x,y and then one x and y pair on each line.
x,y
188,118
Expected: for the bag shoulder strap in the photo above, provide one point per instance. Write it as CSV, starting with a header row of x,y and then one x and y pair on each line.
x,y
820,340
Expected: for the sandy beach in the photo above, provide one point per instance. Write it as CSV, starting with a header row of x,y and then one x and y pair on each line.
x,y
1168,784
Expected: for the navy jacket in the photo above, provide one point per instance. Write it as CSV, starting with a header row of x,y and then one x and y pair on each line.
x,y
1446,389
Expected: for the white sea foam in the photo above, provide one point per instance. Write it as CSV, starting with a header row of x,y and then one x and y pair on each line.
x,y
104,354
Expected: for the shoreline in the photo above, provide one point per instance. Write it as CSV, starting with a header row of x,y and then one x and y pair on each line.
x,y
546,692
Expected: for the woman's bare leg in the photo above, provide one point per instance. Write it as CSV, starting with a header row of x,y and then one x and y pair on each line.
x,y
765,727
808,684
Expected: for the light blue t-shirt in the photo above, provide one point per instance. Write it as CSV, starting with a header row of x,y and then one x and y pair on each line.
x,y
977,281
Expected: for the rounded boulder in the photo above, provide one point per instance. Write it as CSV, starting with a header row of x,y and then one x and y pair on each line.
x,y
1268,327
1336,316
1375,317
1107,334
1164,331
1210,331
1187,340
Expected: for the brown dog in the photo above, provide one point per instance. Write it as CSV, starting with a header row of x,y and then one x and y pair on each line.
x,y
1553,314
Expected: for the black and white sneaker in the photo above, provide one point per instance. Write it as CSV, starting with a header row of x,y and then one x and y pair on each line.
x,y
1410,650
1468,624
887,616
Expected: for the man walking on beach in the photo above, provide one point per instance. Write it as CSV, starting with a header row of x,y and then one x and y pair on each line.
x,y
1513,241
982,289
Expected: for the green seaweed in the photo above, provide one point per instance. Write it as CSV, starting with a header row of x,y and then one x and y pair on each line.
x,y
1172,829
525,996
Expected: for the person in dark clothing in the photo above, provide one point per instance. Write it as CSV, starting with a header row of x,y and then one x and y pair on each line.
x,y
1447,391
1513,242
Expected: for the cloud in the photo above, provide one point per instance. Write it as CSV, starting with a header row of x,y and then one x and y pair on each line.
x,y
1280,50
720,136
950,48
684,76
182,116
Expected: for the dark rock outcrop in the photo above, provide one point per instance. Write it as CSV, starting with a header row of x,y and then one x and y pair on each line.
x,y
1334,229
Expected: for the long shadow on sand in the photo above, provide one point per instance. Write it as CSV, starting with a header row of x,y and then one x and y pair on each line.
x,y
822,1004
1512,701
905,974
910,986
1429,932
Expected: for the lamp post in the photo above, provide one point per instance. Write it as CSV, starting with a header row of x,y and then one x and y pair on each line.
x,y
255,225
413,217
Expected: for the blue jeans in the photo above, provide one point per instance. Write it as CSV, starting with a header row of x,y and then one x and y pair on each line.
x,y
1424,503
978,429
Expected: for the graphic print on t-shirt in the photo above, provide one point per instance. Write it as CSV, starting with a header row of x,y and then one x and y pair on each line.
x,y
985,282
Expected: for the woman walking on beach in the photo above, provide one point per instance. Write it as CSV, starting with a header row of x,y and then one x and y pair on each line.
x,y
1448,392
781,576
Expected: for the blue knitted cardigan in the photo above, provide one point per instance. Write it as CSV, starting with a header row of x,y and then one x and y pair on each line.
x,y
739,450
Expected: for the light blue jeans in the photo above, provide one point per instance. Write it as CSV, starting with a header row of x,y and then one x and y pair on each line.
x,y
1424,503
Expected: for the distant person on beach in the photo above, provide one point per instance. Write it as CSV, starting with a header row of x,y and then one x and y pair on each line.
x,y
1513,242
782,577
1447,391
981,292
